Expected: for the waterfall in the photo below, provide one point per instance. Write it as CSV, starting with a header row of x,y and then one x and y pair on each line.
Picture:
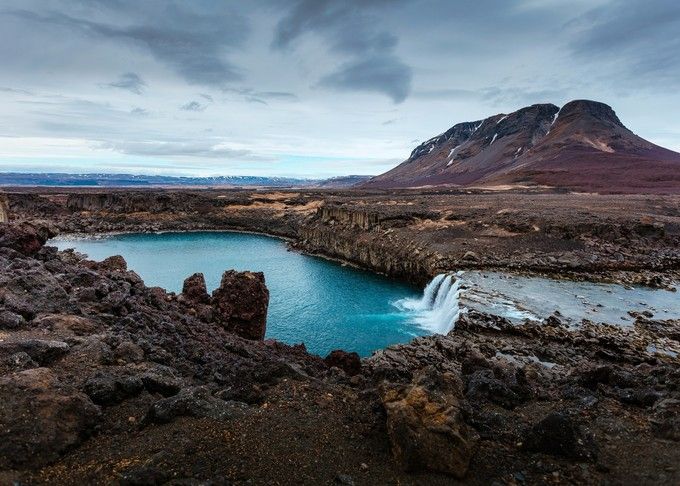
x,y
438,309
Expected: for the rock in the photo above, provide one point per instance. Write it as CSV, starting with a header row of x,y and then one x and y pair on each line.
x,y
42,351
115,263
78,325
425,426
161,379
23,237
484,385
10,320
471,256
19,362
350,363
665,419
128,352
193,402
40,418
106,388
194,289
558,435
241,303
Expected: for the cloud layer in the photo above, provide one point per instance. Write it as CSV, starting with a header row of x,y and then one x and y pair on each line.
x,y
311,87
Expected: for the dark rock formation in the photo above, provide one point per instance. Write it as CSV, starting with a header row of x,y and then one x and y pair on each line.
x,y
425,424
194,289
350,363
24,238
41,418
557,434
241,303
194,402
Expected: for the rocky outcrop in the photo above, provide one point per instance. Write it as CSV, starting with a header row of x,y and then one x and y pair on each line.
x,y
241,303
24,238
350,363
425,424
149,385
41,418
194,289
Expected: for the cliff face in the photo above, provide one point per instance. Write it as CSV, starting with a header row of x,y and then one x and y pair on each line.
x,y
409,236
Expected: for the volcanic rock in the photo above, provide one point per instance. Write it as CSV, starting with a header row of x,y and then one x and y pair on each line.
x,y
194,289
350,363
558,435
193,402
23,237
425,427
241,303
40,418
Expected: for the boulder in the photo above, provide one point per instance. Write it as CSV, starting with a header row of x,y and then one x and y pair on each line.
x,y
193,402
23,237
425,425
350,363
10,320
78,325
42,351
241,302
558,435
106,388
194,289
115,263
40,418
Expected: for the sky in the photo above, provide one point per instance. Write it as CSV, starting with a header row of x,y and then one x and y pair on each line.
x,y
311,88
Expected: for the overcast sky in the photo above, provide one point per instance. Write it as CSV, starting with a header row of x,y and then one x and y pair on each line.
x,y
311,87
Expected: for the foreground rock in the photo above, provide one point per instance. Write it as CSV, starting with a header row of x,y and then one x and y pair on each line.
x,y
241,303
425,424
41,418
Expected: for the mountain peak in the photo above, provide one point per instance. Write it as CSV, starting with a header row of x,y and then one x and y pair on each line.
x,y
582,146
590,109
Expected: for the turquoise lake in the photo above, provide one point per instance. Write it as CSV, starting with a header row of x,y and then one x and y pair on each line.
x,y
320,303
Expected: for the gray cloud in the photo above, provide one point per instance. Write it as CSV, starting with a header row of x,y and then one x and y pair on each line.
x,y
261,97
382,74
639,35
275,86
178,148
191,41
4,89
130,82
349,28
193,106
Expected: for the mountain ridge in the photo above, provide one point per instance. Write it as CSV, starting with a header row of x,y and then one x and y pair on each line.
x,y
581,146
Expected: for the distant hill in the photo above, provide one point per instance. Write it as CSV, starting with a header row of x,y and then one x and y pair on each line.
x,y
126,180
581,146
343,181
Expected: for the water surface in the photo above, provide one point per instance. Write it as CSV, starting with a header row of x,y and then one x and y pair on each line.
x,y
321,303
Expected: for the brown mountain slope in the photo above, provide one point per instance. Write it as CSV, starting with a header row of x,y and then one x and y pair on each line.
x,y
582,146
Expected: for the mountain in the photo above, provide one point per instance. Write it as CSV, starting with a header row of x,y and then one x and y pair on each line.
x,y
343,181
581,146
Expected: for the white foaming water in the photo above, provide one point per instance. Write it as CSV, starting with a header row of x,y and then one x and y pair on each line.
x,y
439,308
